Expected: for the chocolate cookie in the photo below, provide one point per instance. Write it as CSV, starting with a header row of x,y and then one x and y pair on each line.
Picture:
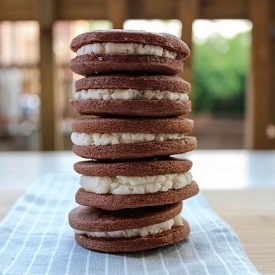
x,y
112,51
128,95
124,138
128,230
134,183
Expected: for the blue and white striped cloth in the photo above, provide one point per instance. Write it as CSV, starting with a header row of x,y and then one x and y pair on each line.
x,y
35,238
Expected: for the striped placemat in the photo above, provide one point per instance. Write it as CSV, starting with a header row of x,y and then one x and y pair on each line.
x,y
35,238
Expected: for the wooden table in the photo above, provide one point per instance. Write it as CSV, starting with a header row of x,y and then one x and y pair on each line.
x,y
238,184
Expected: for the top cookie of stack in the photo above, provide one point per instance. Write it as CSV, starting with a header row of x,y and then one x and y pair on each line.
x,y
120,51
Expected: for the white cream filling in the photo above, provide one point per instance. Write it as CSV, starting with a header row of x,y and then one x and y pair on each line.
x,y
124,185
129,94
96,139
140,232
124,48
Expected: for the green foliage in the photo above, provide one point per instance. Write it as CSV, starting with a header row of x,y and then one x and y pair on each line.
x,y
220,70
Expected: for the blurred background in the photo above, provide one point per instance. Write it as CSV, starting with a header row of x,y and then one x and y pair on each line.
x,y
231,68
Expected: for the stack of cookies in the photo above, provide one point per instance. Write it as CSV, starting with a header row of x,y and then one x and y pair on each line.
x,y
131,104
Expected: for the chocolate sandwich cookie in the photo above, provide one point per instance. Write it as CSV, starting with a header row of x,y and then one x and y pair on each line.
x,y
111,51
134,183
128,95
125,138
128,230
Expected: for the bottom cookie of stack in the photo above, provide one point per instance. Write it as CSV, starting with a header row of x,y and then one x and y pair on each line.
x,y
128,230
